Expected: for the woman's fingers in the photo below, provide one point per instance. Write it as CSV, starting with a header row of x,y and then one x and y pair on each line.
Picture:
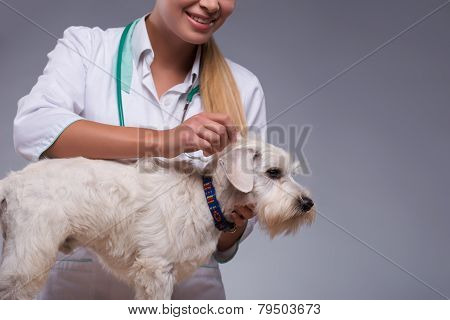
x,y
241,214
212,137
202,144
209,132
215,133
221,133
244,212
237,219
225,121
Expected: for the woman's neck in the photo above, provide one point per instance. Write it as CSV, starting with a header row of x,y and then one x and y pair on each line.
x,y
170,51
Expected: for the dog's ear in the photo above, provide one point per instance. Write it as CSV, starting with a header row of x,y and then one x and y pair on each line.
x,y
237,165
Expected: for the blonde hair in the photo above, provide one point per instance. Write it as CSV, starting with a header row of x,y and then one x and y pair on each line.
x,y
218,88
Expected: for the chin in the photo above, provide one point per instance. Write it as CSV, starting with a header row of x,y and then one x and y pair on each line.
x,y
195,38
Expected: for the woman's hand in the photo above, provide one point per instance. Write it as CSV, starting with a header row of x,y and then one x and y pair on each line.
x,y
209,132
239,216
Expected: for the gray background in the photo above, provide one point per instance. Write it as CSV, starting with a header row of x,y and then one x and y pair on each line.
x,y
378,150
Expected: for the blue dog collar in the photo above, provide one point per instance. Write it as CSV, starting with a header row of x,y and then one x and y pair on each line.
x,y
214,207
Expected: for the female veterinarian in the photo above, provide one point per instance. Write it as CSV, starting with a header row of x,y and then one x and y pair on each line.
x,y
158,87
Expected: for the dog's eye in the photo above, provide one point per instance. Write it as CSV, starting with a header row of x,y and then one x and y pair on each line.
x,y
274,173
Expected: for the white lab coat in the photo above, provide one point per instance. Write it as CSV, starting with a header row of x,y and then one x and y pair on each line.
x,y
78,83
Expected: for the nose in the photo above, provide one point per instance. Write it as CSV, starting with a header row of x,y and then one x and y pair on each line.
x,y
212,6
306,204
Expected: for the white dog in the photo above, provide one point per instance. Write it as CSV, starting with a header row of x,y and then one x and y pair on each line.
x,y
149,222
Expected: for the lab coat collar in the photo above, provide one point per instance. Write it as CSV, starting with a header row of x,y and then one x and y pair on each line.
x,y
140,43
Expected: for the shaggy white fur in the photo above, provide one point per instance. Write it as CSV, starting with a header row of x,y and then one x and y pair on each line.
x,y
148,222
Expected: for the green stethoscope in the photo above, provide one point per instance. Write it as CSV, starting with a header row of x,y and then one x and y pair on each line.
x,y
124,72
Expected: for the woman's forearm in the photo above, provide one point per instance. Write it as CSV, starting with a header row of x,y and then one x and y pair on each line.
x,y
209,132
101,141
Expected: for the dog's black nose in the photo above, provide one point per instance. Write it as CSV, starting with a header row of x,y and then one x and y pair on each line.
x,y
306,204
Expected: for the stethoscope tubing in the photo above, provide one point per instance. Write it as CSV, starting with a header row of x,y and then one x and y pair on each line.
x,y
192,92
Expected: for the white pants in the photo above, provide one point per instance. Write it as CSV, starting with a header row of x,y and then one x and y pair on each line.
x,y
82,277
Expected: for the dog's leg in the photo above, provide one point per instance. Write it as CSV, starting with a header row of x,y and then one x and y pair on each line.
x,y
153,280
23,275
28,255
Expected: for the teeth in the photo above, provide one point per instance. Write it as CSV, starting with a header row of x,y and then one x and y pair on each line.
x,y
201,20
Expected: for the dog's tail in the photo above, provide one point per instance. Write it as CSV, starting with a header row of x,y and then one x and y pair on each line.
x,y
2,211
2,191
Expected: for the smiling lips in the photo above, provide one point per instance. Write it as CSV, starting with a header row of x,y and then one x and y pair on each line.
x,y
207,22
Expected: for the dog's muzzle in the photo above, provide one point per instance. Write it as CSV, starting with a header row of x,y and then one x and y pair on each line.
x,y
305,204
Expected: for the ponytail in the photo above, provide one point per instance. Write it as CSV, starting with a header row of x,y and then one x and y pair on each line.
x,y
218,87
